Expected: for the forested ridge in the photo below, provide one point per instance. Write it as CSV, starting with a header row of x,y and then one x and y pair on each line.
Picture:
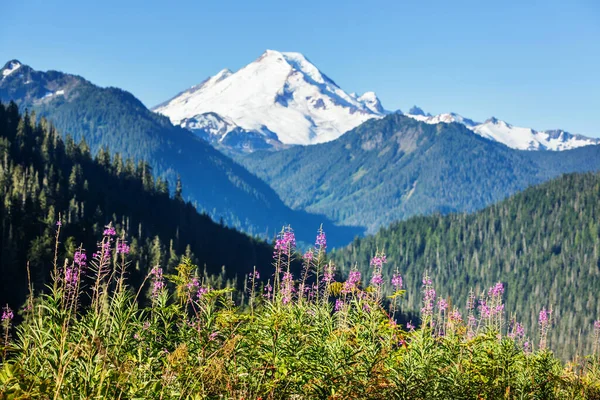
x,y
543,244
393,168
45,179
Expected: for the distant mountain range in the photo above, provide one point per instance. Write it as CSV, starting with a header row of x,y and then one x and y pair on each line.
x,y
283,99
115,118
391,168
513,136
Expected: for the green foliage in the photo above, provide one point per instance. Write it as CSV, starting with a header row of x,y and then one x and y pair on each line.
x,y
394,168
209,347
543,244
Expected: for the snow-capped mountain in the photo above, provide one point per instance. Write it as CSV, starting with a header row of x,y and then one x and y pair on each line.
x,y
513,136
281,97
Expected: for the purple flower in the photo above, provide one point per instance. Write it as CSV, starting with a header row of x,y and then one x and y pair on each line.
x,y
496,290
597,326
410,326
428,298
213,336
352,281
7,314
339,304
109,230
58,223
122,248
321,241
442,304
286,241
201,292
378,261
397,281
255,275
193,284
484,309
455,316
136,336
71,276
544,317
268,290
158,281
376,280
287,287
79,258
308,256
329,273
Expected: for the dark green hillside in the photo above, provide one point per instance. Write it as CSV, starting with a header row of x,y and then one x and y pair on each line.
x,y
43,176
543,243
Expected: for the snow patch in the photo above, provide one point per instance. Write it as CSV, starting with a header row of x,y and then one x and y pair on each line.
x,y
10,68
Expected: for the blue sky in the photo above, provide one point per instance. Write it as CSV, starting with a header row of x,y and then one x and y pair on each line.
x,y
534,64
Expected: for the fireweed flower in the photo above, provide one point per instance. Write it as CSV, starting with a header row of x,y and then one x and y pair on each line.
x,y
109,230
397,281
286,241
71,276
193,285
442,304
329,273
545,319
268,290
122,248
201,292
321,242
158,282
378,261
58,223
428,298
308,256
287,287
79,258
376,280
7,314
339,304
410,326
455,316
352,281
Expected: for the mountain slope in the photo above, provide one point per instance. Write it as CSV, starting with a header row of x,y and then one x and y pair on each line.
x,y
543,244
115,118
45,179
392,168
513,136
281,96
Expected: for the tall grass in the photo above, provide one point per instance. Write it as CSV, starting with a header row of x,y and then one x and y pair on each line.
x,y
304,336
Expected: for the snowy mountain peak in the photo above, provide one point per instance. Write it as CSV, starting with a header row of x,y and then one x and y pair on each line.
x,y
371,101
280,93
10,67
512,136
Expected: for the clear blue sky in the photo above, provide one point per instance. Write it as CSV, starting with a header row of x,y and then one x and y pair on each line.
x,y
534,64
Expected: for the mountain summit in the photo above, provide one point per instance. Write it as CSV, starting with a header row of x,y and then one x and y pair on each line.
x,y
280,98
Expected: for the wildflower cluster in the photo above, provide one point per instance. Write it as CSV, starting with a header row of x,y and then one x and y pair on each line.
x,y
310,337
